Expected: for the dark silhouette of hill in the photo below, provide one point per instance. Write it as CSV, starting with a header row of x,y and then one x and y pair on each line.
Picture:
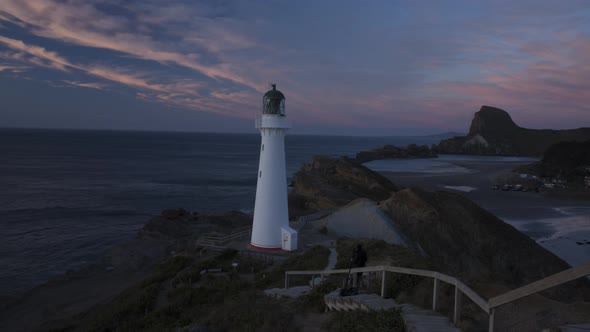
x,y
492,132
568,160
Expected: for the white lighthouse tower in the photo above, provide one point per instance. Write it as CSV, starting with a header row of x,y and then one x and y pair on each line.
x,y
271,230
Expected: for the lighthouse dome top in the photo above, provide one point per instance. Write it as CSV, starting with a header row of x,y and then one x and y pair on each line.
x,y
273,102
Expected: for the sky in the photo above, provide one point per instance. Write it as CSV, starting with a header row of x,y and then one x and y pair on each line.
x,y
346,67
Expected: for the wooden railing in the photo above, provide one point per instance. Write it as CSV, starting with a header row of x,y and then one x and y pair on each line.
x,y
217,242
488,306
240,232
536,287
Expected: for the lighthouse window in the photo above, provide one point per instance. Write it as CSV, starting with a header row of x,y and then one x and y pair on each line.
x,y
260,174
262,147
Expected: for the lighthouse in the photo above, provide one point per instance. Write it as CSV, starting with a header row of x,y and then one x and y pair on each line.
x,y
270,230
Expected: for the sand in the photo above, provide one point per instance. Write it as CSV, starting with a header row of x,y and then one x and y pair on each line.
x,y
560,225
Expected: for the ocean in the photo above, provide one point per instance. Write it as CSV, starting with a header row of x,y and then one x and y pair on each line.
x,y
66,196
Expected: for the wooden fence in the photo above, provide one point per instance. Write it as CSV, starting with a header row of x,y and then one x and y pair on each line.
x,y
488,306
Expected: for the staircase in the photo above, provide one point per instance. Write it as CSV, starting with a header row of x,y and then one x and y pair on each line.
x,y
293,292
421,320
415,318
365,302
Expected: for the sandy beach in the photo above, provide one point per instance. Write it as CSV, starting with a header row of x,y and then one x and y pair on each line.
x,y
560,225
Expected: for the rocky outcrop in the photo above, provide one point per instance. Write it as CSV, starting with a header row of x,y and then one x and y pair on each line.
x,y
466,241
394,152
332,182
492,132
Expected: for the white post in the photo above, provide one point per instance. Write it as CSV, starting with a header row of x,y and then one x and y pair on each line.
x,y
457,313
434,294
383,275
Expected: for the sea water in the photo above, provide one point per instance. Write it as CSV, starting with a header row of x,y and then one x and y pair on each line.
x,y
66,196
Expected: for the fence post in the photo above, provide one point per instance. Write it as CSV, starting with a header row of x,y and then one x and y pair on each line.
x,y
457,315
383,275
491,326
286,280
434,294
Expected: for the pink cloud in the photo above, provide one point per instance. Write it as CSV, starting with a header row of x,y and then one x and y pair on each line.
x,y
182,93
83,24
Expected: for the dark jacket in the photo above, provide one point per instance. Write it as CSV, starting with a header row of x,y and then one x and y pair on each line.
x,y
360,257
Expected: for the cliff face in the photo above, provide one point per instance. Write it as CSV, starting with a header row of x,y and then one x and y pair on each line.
x,y
492,132
331,182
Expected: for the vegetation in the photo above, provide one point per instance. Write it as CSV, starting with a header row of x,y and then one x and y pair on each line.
x,y
177,295
566,160
315,258
379,251
314,300
357,321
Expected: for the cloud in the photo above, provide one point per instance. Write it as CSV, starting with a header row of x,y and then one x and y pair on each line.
x,y
40,56
365,66
91,85
555,80
84,24
12,68
182,93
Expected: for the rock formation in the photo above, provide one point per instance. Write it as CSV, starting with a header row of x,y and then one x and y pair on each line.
x,y
492,132
394,152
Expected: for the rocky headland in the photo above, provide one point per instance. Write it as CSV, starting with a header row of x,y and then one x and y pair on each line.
x,y
493,132
156,281
462,238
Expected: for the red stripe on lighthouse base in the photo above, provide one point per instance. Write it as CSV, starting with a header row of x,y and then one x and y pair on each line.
x,y
253,246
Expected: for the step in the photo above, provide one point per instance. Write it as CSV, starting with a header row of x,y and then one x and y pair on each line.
x,y
292,292
379,304
423,317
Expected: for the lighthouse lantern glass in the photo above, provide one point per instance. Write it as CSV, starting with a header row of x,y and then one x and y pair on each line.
x,y
273,102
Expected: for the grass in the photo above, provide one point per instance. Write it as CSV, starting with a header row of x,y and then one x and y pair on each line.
x,y
380,251
360,321
314,300
230,301
315,258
